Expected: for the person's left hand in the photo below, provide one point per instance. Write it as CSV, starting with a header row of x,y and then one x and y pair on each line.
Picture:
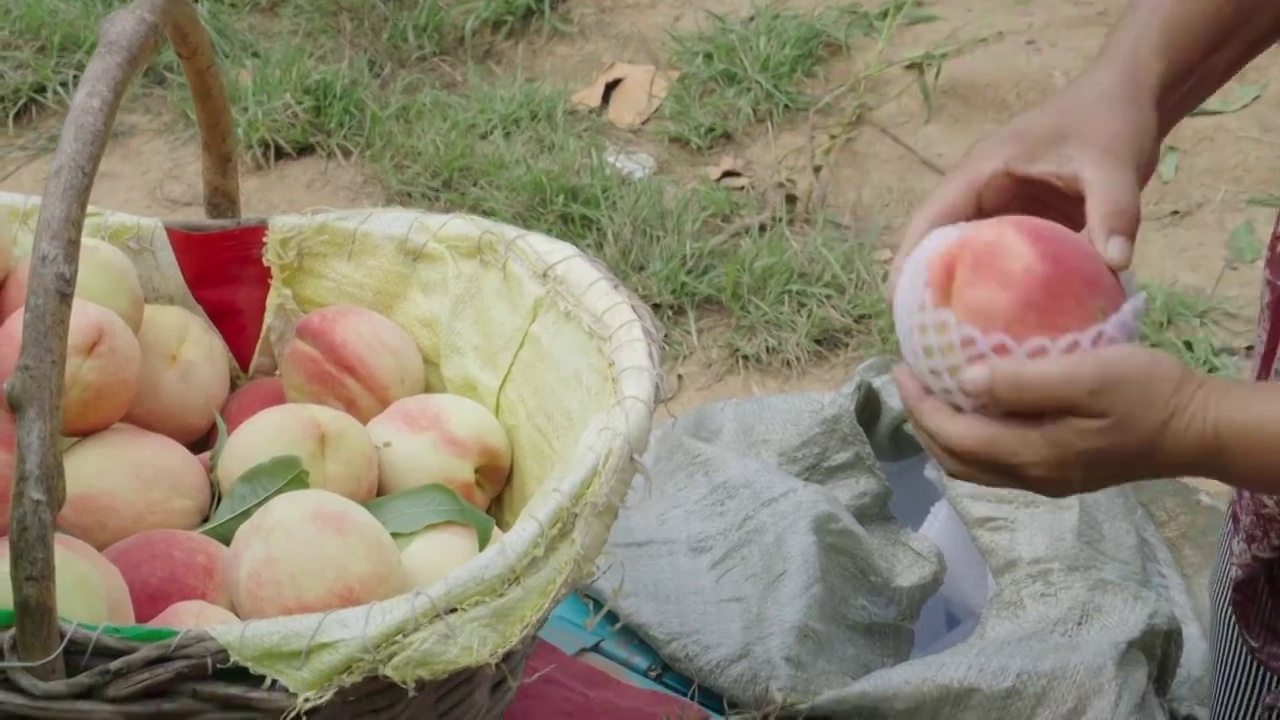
x,y
1066,425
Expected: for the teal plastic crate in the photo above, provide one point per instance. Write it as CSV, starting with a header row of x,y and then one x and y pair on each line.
x,y
577,625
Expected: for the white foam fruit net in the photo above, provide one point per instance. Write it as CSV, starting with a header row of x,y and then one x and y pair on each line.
x,y
936,346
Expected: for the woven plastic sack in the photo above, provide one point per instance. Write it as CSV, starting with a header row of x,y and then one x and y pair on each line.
x,y
936,345
523,323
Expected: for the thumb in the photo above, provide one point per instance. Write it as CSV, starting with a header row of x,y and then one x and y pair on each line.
x,y
1066,385
1112,208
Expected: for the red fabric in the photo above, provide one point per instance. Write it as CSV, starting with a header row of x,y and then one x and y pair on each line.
x,y
227,277
557,686
1254,519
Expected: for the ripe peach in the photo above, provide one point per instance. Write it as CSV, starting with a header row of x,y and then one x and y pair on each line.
x,y
205,458
432,553
1024,277
113,586
79,591
193,614
162,567
7,257
106,277
444,439
252,398
353,359
333,446
8,464
311,551
186,374
125,480
103,366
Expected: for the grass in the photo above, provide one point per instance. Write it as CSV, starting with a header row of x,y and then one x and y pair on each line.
x,y
406,87
736,73
1190,325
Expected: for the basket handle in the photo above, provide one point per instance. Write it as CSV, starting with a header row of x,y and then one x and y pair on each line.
x,y
127,40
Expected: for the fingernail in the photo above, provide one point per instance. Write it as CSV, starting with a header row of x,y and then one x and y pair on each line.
x,y
1118,251
975,379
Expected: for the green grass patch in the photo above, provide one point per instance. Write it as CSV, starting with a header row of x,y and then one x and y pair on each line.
x,y
1189,325
513,150
742,70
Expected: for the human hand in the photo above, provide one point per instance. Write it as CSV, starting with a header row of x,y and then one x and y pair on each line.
x,y
1065,425
1081,159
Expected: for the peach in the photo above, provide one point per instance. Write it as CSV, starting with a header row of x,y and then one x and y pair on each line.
x,y
186,374
443,439
7,256
311,551
205,458
353,359
103,366
8,464
79,590
112,584
193,614
125,480
334,448
432,553
163,567
252,398
1024,277
106,277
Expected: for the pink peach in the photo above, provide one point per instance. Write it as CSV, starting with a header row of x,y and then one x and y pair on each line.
x,y
125,480
334,448
80,592
7,253
311,551
252,398
193,614
186,374
8,464
106,277
431,554
443,439
163,567
103,367
352,359
112,584
1024,277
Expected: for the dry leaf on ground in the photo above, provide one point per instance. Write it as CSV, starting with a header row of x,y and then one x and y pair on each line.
x,y
730,172
629,93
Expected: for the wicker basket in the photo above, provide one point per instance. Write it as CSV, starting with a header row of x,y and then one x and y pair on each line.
x,y
56,670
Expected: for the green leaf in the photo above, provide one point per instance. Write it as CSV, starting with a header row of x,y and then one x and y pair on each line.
x,y
410,511
1242,97
251,491
1243,245
1270,200
1168,167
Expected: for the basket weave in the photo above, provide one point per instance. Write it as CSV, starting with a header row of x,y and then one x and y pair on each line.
x,y
95,675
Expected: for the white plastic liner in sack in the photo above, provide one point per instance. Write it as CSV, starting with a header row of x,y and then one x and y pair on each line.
x,y
523,323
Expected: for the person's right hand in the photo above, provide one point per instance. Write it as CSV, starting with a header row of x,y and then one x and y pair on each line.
x,y
1080,159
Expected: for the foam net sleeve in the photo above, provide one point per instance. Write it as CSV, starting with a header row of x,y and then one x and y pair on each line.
x,y
936,346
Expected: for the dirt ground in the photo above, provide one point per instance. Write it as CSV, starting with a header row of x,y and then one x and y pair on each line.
x,y
1033,48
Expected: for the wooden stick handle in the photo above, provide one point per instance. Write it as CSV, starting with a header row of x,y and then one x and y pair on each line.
x,y
127,41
